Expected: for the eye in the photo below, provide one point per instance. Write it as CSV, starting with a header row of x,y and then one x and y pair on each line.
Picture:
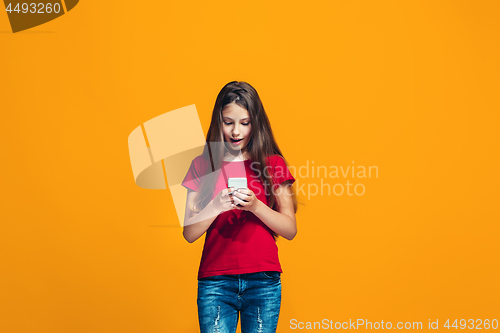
x,y
226,123
245,124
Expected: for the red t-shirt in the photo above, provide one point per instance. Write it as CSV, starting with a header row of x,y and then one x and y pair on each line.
x,y
237,241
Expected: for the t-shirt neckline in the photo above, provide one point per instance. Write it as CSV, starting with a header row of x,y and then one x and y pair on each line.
x,y
234,161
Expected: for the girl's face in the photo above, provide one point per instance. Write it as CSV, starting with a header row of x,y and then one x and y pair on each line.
x,y
236,127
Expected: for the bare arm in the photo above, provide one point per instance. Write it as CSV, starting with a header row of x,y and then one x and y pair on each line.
x,y
195,224
282,221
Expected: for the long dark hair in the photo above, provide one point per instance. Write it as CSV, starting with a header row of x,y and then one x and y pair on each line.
x,y
261,144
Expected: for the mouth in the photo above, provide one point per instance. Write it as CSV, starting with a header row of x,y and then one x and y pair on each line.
x,y
236,142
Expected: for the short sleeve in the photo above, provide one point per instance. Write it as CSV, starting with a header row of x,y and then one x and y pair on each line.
x,y
281,171
193,177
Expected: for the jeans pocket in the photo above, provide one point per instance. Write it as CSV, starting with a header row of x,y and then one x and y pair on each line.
x,y
271,274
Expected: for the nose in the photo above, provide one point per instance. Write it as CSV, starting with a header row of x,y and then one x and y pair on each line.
x,y
236,130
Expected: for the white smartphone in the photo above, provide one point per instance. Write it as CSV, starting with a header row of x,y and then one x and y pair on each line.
x,y
237,183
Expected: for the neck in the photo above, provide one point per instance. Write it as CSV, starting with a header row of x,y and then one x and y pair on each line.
x,y
238,157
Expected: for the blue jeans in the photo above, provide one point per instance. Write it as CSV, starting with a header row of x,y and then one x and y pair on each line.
x,y
254,296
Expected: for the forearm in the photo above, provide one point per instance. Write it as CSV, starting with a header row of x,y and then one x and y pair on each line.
x,y
281,224
196,226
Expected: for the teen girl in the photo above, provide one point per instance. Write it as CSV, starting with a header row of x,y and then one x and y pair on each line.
x,y
240,272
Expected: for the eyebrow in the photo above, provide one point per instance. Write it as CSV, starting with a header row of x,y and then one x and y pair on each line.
x,y
247,118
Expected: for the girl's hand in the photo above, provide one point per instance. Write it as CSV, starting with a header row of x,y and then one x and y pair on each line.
x,y
244,199
223,201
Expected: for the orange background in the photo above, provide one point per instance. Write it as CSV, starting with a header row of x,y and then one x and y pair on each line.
x,y
410,87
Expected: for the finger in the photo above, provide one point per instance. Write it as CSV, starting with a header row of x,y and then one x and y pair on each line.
x,y
243,190
249,193
239,201
241,196
229,191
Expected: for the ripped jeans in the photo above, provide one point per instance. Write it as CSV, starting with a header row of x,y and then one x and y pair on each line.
x,y
256,297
